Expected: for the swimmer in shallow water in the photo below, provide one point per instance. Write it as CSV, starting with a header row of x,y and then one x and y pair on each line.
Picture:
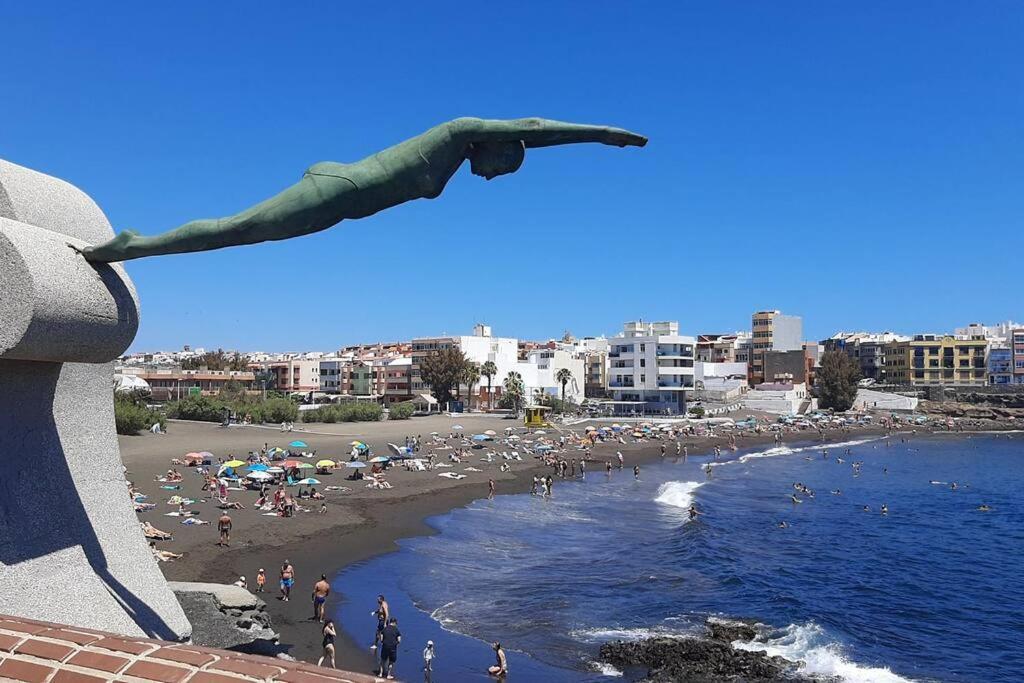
x,y
836,492
783,525
866,509
983,508
795,499
885,509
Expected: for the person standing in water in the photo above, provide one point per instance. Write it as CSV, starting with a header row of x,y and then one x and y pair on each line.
x,y
636,472
382,612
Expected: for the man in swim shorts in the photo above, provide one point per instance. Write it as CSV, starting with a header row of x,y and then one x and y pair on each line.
x,y
321,589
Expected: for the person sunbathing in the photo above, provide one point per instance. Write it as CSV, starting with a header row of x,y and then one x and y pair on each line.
x,y
225,504
151,531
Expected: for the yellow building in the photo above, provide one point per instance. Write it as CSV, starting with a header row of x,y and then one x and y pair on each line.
x,y
897,363
933,359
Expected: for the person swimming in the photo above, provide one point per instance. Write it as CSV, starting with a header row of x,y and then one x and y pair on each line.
x,y
885,509
836,492
866,509
783,525
795,499
983,508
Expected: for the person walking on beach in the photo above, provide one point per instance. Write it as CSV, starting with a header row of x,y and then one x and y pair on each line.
x,y
390,637
224,526
382,612
622,460
428,656
287,580
500,668
321,589
329,634
490,488
261,580
636,472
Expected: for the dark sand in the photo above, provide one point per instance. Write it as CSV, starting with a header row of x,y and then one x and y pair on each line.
x,y
359,524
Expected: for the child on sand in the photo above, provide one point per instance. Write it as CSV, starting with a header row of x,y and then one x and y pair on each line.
x,y
261,580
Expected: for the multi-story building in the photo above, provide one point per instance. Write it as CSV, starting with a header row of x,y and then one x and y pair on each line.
x,y
651,368
772,331
397,379
896,362
1017,346
1000,365
479,348
935,359
1000,332
867,349
723,348
792,366
169,384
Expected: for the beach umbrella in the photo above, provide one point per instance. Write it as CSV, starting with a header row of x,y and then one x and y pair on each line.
x,y
355,465
304,466
308,481
234,463
544,447
357,443
591,428
637,434
275,470
298,444
193,456
380,458
481,437
540,431
205,454
491,432
259,476
457,428
433,433
291,463
325,463
258,467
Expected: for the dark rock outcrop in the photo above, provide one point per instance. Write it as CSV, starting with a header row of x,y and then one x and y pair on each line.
x,y
709,659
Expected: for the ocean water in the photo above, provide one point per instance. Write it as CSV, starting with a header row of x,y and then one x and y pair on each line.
x,y
929,592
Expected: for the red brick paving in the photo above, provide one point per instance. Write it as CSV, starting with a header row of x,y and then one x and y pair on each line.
x,y
40,652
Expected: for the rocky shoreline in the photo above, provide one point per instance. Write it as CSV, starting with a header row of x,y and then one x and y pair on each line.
x,y
708,658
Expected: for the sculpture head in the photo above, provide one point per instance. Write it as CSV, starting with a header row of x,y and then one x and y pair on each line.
x,y
492,159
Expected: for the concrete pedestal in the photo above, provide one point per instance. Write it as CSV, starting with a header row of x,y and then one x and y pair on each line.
x,y
71,549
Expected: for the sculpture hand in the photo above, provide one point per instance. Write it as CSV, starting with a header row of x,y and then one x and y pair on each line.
x,y
114,250
534,132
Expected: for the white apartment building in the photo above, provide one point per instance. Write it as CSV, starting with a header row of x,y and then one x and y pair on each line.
x,y
779,398
651,368
479,348
540,370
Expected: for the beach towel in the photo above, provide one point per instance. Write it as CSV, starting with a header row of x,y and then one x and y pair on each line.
x,y
176,487
452,475
472,469
193,521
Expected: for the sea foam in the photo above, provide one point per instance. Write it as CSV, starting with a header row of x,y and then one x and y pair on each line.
x,y
808,643
677,493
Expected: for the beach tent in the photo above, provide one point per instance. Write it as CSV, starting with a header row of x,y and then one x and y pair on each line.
x,y
298,444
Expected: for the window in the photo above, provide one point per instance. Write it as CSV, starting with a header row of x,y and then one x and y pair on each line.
x,y
643,362
643,378
643,347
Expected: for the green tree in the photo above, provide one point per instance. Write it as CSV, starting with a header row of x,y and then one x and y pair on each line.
x,y
471,376
563,377
836,381
232,391
489,370
514,389
442,370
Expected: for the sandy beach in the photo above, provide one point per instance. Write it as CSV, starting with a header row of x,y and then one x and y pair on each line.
x,y
359,523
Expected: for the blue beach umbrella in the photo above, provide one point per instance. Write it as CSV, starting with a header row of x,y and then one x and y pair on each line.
x,y
298,444
355,465
258,467
481,437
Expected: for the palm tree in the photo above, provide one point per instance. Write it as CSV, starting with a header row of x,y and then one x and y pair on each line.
x,y
489,370
471,375
514,387
563,377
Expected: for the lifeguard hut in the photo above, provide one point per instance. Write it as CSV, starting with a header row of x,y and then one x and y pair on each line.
x,y
536,416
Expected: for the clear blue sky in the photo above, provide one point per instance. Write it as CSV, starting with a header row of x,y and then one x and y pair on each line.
x,y
859,164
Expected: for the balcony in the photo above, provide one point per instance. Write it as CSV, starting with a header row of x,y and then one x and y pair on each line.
x,y
621,385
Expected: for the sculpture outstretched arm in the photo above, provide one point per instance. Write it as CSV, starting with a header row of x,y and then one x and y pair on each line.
x,y
331,192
